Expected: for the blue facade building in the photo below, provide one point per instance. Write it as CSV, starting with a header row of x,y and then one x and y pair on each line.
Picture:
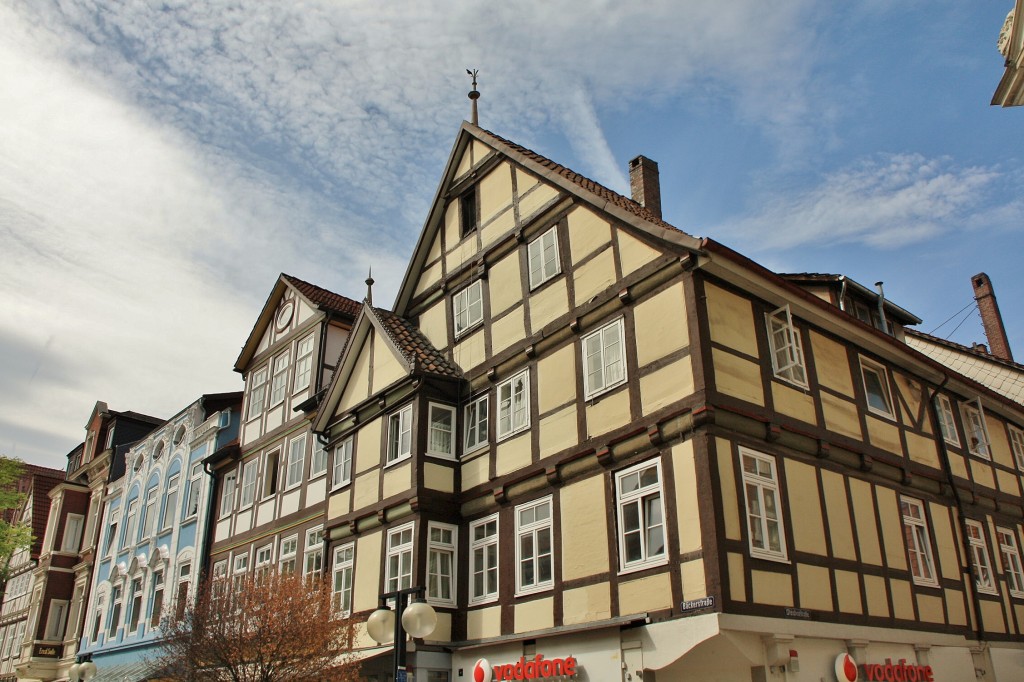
x,y
152,535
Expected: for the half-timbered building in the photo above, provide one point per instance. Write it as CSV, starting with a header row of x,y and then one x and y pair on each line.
x,y
601,443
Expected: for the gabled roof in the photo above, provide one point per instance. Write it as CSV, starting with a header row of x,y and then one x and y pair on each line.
x,y
408,344
315,296
1002,376
569,181
901,315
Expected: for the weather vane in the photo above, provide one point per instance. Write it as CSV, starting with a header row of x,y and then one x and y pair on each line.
x,y
474,95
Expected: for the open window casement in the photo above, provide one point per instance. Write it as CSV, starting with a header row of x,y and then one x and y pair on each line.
x,y
787,353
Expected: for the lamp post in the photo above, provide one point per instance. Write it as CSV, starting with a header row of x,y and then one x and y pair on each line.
x,y
416,618
83,669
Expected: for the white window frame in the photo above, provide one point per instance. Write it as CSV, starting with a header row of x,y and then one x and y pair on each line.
x,y
535,530
263,559
341,472
757,512
130,518
485,546
918,540
240,564
437,428
318,459
976,430
475,423
648,501
288,554
227,493
152,511
156,603
343,569
116,609
399,435
73,526
56,620
1010,555
296,462
248,494
170,502
257,393
303,363
437,550
1017,445
468,308
984,575
606,347
313,553
542,257
279,382
786,347
398,557
947,423
513,406
195,492
882,376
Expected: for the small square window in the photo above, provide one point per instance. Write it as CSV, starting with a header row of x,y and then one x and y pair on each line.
x,y
468,307
876,388
400,435
603,359
543,258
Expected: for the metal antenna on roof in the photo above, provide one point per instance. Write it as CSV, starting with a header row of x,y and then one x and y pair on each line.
x,y
369,286
474,95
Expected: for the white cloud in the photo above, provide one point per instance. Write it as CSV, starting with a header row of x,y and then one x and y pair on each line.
x,y
887,201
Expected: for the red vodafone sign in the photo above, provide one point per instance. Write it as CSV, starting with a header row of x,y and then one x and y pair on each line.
x,y
847,670
536,668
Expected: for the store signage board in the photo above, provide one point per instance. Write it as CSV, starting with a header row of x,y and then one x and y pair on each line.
x,y
536,668
847,670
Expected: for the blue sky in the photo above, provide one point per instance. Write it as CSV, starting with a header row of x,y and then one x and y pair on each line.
x,y
162,162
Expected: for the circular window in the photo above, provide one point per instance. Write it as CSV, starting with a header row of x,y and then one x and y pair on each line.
x,y
138,463
159,450
179,435
284,316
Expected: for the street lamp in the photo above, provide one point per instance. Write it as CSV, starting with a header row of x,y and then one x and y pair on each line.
x,y
83,669
416,618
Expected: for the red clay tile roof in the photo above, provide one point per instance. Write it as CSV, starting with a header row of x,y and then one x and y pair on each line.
x,y
323,298
586,183
415,347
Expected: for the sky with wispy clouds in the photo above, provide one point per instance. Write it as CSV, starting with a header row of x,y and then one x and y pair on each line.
x,y
161,161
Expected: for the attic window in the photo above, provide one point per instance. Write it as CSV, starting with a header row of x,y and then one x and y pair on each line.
x,y
468,212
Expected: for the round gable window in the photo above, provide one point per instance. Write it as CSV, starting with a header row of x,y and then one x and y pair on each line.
x,y
179,434
159,451
284,315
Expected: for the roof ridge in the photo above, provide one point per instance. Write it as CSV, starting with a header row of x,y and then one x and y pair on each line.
x,y
323,297
968,349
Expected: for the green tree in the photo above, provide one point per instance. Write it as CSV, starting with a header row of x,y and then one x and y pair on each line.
x,y
14,535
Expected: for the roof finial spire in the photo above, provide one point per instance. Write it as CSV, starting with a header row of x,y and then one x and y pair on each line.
x,y
474,95
369,286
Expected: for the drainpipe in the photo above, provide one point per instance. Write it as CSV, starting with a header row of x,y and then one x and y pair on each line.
x,y
979,632
842,295
207,535
881,308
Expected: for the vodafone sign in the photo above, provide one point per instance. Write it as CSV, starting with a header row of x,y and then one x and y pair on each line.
x,y
847,670
536,668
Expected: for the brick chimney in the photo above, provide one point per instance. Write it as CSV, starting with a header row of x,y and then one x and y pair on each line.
x,y
644,184
990,317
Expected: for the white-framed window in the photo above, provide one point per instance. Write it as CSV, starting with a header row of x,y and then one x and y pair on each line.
x,y
341,589
313,556
181,596
227,493
115,611
170,502
280,381
110,541
399,558
1017,445
271,472
73,525
240,568
975,430
786,348
542,254
604,364
442,549
441,430
318,460
342,472
984,577
947,425
766,534
135,604
1011,562
468,307
534,552
514,405
475,423
249,483
400,434
483,559
264,557
303,364
56,619
296,461
156,604
289,549
641,516
876,388
158,451
195,487
257,393
151,511
919,546
129,523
